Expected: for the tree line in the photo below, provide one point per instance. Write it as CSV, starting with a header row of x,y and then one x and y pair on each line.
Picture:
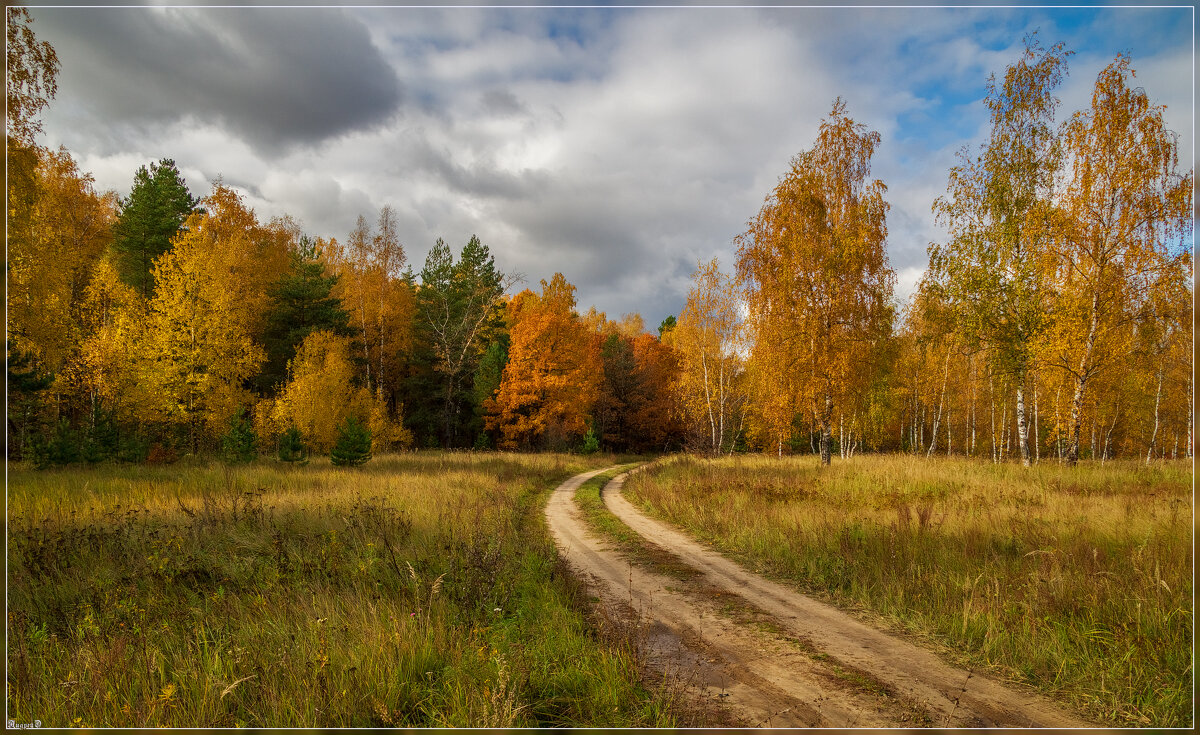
x,y
1055,322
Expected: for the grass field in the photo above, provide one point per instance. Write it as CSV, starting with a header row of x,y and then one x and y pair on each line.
x,y
1077,581
421,589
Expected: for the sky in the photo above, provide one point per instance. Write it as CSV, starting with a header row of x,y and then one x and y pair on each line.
x,y
618,146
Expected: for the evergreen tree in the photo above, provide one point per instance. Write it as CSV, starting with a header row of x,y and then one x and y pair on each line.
x,y
459,311
238,444
301,303
26,385
353,446
155,210
291,446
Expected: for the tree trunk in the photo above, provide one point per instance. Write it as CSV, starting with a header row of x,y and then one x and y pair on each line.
x,y
1081,379
826,431
1154,434
1037,446
1022,425
1191,413
937,419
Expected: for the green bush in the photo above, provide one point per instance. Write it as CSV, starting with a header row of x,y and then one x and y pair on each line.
x,y
353,445
238,444
291,446
591,444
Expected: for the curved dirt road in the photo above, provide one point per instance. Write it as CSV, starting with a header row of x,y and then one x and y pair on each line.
x,y
795,661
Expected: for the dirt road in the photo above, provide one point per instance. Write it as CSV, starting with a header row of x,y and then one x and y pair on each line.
x,y
769,655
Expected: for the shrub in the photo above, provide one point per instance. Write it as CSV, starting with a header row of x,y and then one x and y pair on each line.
x,y
591,444
353,445
238,444
291,446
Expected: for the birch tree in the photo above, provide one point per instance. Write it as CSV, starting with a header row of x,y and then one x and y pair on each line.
x,y
1123,220
815,269
995,208
709,337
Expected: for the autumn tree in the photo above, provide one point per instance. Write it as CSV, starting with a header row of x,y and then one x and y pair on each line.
x,y
995,208
818,284
1124,217
71,225
209,302
302,302
710,339
157,206
553,373
322,392
374,291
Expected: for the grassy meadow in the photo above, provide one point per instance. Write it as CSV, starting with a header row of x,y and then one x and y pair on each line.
x,y
1077,581
421,589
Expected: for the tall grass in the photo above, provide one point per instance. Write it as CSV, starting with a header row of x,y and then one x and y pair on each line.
x,y
1075,580
419,590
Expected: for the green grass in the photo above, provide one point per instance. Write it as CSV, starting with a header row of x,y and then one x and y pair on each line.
x,y
419,590
1075,580
624,538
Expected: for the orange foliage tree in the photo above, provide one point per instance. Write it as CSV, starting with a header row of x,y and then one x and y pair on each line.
x,y
553,373
818,284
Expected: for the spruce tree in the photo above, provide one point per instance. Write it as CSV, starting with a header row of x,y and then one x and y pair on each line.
x,y
238,444
300,305
155,210
291,446
353,446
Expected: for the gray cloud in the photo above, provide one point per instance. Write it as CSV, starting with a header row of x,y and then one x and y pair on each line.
x,y
277,77
618,147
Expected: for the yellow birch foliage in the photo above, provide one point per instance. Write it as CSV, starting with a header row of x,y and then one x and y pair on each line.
x,y
1123,217
50,266
818,283
380,303
709,338
197,349
552,378
109,361
321,392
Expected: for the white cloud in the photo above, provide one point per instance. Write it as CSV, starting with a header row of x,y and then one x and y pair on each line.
x,y
616,146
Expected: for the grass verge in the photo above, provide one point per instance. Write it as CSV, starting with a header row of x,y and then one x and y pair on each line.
x,y
420,590
1077,581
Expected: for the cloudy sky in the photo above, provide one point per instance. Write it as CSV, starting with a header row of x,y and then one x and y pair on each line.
x,y
618,146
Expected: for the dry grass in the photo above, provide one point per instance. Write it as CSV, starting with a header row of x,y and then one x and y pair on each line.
x,y
1075,580
419,590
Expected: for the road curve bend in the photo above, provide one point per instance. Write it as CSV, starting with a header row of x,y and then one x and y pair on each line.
x,y
954,697
755,675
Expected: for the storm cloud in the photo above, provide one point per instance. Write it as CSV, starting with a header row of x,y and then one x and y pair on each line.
x,y
275,76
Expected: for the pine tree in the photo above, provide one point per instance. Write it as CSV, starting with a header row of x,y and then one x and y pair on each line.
x,y
353,446
157,207
238,444
291,446
301,303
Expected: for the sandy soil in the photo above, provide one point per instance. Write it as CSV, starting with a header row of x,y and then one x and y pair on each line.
x,y
766,654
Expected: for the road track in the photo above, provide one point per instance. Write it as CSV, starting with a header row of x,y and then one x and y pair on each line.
x,y
767,654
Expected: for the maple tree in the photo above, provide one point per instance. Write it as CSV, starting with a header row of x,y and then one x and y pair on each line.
x,y
1124,204
817,281
553,373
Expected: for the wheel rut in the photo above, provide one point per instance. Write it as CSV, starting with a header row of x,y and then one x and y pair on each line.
x,y
767,655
